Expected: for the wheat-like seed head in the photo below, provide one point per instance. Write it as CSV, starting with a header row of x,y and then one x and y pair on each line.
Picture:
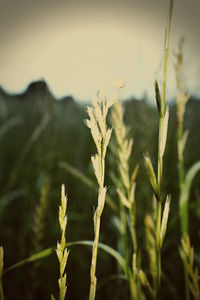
x,y
101,136
39,217
150,243
61,250
187,255
123,150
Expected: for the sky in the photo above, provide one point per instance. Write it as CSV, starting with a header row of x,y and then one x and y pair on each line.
x,y
79,46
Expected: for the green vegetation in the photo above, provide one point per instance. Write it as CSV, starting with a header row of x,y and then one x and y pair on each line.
x,y
117,253
62,154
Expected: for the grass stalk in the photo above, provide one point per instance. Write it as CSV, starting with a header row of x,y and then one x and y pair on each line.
x,y
150,231
94,261
1,273
158,249
185,179
182,99
161,148
39,217
161,219
124,236
61,250
101,136
187,255
126,190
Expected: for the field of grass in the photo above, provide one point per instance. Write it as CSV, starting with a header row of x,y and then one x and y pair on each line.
x,y
125,224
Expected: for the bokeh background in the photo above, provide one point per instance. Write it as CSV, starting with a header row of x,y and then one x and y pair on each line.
x,y
79,45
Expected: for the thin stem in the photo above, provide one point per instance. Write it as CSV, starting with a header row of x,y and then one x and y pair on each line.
x,y
101,136
95,253
132,218
94,260
166,56
159,210
133,288
180,110
133,232
124,232
186,277
180,154
136,291
158,249
160,152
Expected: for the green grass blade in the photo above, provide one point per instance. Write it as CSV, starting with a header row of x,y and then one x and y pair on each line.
x,y
184,195
42,254
12,122
76,173
121,261
31,258
110,278
26,149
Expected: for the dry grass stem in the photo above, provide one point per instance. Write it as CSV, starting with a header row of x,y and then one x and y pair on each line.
x,y
101,136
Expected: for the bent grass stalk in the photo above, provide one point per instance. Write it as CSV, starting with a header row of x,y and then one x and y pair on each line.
x,y
101,136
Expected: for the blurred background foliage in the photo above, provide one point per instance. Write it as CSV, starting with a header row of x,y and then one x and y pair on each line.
x,y
38,136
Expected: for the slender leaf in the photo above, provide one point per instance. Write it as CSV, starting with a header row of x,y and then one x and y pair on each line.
x,y
110,278
31,258
184,195
12,122
121,261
